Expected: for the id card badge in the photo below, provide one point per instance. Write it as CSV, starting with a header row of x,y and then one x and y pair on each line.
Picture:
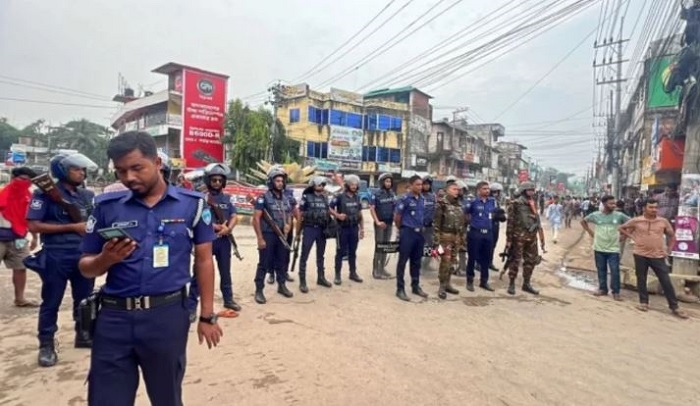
x,y
161,256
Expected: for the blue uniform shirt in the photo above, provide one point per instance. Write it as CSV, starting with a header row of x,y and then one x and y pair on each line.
x,y
45,210
171,219
412,210
430,201
481,212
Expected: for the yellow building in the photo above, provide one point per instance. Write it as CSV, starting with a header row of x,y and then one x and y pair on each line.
x,y
339,130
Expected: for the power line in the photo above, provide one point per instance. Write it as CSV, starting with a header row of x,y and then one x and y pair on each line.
x,y
310,71
51,86
56,103
28,86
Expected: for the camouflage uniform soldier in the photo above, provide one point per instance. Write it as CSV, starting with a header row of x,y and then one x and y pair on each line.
x,y
448,226
521,237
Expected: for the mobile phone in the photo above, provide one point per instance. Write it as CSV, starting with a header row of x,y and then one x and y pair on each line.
x,y
113,232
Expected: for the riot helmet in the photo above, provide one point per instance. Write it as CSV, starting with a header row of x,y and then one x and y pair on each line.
x,y
166,167
216,169
275,173
384,177
61,163
496,187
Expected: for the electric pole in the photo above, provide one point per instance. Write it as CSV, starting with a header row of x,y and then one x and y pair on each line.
x,y
275,98
615,123
454,125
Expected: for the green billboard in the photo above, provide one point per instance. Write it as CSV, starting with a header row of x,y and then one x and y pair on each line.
x,y
656,96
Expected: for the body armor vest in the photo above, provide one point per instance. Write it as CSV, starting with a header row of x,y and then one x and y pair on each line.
x,y
316,212
385,203
350,206
279,210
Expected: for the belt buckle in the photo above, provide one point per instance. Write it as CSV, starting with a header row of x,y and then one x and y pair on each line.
x,y
138,303
484,231
417,229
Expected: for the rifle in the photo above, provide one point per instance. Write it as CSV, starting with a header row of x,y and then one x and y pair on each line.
x,y
221,219
296,252
271,222
506,258
47,185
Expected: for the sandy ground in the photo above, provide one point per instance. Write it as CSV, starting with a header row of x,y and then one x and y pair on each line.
x,y
359,345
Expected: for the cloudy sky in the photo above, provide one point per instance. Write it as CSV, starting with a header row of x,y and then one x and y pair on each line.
x,y
83,45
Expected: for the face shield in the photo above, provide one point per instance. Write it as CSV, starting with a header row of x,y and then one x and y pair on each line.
x,y
79,161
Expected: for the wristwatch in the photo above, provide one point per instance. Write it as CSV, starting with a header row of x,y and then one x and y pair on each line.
x,y
211,319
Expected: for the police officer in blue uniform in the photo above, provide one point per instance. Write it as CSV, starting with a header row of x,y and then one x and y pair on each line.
x,y
215,179
409,218
58,259
381,207
273,254
144,319
315,215
429,202
296,216
347,209
480,215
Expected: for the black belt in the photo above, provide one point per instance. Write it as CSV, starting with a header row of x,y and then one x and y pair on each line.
x,y
416,229
142,302
480,230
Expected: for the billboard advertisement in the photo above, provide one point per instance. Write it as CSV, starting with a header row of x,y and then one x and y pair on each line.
x,y
345,144
203,110
659,70
243,196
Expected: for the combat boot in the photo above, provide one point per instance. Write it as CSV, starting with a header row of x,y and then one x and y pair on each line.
x,y
288,277
337,279
231,304
416,290
511,286
448,287
322,281
470,285
441,291
386,275
270,279
260,297
401,294
82,340
47,354
528,288
302,284
355,277
282,290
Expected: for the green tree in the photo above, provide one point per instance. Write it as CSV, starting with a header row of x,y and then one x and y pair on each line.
x,y
8,134
84,136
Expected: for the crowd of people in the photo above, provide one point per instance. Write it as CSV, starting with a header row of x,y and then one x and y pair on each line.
x,y
144,235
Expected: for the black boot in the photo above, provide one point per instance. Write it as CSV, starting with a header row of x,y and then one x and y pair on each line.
x,y
493,268
355,277
401,294
511,286
82,341
386,275
322,281
528,288
231,304
470,285
441,291
288,277
282,290
416,290
270,279
451,290
302,284
337,279
47,354
260,297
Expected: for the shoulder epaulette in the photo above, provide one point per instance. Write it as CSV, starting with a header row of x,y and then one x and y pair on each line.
x,y
105,197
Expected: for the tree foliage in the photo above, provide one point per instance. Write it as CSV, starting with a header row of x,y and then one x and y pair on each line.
x,y
8,134
84,136
248,137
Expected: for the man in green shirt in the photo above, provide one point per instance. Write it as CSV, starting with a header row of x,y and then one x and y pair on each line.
x,y
606,244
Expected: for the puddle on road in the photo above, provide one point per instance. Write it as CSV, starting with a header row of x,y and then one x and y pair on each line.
x,y
577,279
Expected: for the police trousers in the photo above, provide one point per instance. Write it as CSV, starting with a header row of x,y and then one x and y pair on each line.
x,y
410,248
480,249
273,259
221,249
287,256
312,235
380,258
62,267
349,237
154,340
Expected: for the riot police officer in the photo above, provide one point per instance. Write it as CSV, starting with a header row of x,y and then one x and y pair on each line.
x,y
499,216
272,251
409,218
57,262
381,208
296,217
347,209
215,180
479,214
429,202
315,216
144,320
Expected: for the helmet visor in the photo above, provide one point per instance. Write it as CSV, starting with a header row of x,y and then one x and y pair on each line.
x,y
79,161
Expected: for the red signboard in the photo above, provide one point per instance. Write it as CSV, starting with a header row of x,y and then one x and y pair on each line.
x,y
523,175
203,110
241,197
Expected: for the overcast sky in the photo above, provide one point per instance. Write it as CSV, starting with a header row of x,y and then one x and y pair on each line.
x,y
84,44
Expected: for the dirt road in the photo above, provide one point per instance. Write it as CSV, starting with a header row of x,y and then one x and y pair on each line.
x,y
359,345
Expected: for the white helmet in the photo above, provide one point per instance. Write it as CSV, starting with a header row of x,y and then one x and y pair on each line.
x,y
496,187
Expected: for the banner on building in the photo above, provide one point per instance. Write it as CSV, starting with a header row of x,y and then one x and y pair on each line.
x,y
343,96
345,144
241,197
523,175
203,111
686,238
659,71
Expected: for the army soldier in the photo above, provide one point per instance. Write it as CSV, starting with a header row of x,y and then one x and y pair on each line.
x,y
272,251
521,236
429,201
315,216
409,217
448,236
346,207
382,210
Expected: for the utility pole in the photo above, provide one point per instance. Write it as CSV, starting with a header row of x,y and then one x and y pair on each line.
x,y
615,123
454,125
275,99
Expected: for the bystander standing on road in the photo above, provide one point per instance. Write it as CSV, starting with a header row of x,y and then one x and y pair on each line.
x,y
650,251
554,215
606,244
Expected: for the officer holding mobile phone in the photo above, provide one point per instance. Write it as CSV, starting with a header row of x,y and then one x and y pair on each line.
x,y
144,320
